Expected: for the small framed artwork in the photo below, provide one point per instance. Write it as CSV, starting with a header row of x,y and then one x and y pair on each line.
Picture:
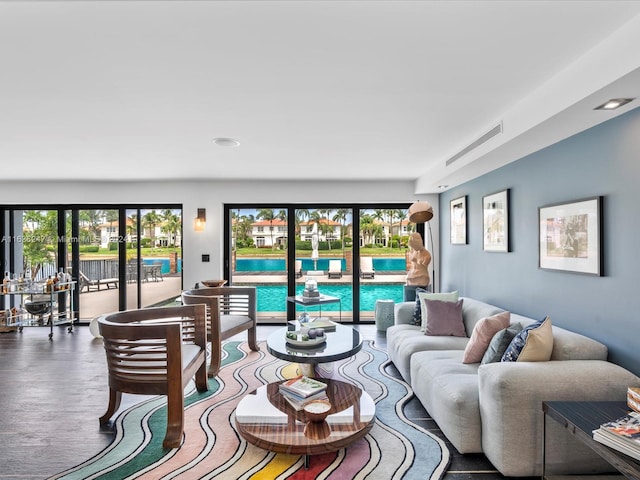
x,y
571,236
495,221
458,215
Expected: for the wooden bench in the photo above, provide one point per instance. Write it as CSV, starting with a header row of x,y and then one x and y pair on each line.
x,y
156,351
230,310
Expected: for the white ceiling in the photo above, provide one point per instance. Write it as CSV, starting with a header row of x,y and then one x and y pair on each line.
x,y
338,90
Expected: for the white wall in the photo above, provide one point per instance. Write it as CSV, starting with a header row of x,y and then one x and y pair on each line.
x,y
212,195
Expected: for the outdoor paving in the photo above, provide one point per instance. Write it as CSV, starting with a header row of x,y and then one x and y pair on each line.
x,y
95,303
99,302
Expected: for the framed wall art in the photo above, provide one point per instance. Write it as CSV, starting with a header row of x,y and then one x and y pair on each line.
x,y
458,219
571,236
495,221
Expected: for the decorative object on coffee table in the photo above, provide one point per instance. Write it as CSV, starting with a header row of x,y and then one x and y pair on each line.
x,y
311,288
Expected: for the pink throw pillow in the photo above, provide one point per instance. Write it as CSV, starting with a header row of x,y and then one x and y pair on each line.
x,y
482,334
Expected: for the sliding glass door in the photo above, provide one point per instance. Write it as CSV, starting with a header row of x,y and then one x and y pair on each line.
x,y
278,248
121,257
383,238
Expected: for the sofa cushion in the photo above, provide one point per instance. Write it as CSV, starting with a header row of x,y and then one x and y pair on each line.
x,y
499,344
444,318
533,344
448,389
416,319
444,296
405,340
482,334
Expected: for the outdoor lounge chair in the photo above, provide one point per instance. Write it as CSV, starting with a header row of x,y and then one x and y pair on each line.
x,y
298,268
335,269
366,267
86,282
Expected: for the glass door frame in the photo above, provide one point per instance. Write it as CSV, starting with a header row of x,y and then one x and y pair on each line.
x,y
291,249
8,251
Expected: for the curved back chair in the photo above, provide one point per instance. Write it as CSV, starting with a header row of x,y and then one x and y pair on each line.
x,y
156,351
230,310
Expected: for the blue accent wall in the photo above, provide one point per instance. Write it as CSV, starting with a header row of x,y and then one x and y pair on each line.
x,y
604,160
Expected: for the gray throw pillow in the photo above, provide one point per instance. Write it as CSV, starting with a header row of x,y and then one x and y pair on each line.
x,y
444,318
499,343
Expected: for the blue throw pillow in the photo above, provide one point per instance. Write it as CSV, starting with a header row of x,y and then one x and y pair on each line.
x,y
516,346
417,311
499,344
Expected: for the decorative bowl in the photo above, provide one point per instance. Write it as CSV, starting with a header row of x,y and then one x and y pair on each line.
x,y
213,283
37,307
317,410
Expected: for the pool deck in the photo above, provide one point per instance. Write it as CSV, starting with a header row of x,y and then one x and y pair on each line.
x,y
263,277
96,303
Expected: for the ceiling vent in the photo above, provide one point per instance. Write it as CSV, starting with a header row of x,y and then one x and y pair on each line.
x,y
490,134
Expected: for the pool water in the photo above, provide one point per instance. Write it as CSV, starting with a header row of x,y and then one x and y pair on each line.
x,y
382,264
273,298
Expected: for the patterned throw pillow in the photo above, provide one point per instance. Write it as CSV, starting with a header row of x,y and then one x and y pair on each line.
x,y
445,318
533,344
417,311
499,344
482,334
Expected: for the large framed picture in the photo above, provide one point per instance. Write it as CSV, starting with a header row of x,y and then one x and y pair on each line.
x,y
495,221
571,236
458,215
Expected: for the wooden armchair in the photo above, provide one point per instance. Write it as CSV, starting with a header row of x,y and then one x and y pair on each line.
x,y
230,310
156,351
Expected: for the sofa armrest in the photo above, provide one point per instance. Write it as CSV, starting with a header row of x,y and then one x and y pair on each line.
x,y
403,313
511,396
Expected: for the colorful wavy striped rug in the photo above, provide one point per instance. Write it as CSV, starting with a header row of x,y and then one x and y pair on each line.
x,y
395,448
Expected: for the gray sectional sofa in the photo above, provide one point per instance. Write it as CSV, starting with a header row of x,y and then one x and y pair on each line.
x,y
496,408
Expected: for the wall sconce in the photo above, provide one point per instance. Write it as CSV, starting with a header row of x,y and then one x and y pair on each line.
x,y
200,220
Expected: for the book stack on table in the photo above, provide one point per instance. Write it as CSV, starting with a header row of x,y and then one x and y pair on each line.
x,y
300,390
622,434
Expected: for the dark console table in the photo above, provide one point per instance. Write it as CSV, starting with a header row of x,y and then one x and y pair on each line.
x,y
581,419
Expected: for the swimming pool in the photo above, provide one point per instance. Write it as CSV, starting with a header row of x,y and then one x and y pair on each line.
x,y
381,264
273,298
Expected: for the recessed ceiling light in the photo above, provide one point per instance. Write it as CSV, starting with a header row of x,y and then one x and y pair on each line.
x,y
226,142
614,103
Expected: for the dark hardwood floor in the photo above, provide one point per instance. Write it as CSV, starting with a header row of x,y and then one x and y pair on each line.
x,y
52,393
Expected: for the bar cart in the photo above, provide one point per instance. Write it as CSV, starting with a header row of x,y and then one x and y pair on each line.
x,y
39,306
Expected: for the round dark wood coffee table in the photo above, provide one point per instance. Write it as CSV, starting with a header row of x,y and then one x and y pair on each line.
x,y
265,419
341,343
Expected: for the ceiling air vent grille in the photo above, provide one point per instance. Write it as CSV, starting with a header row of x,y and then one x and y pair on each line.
x,y
490,134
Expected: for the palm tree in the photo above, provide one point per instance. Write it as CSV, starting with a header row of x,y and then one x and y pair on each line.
x,y
325,227
243,228
301,215
380,215
341,216
133,228
150,220
172,225
282,216
111,216
267,215
401,215
368,228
